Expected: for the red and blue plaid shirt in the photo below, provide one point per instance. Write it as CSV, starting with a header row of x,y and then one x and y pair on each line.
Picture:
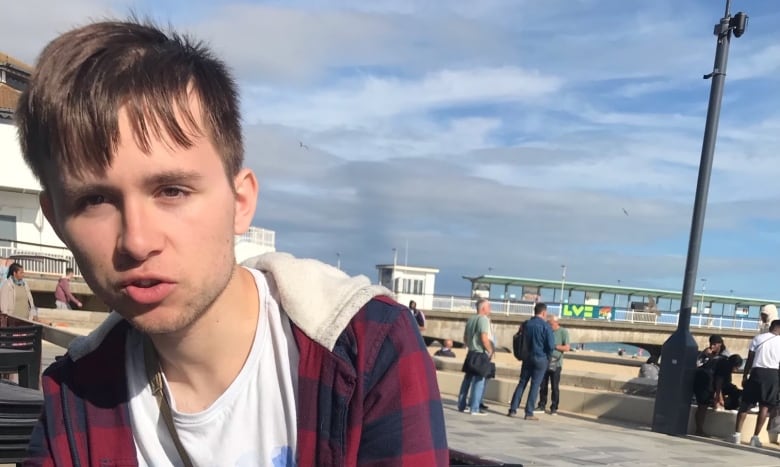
x,y
372,401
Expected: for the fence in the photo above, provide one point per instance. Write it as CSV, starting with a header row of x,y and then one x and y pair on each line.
x,y
41,259
459,304
258,236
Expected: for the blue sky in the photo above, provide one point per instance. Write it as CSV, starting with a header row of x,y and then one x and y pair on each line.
x,y
496,134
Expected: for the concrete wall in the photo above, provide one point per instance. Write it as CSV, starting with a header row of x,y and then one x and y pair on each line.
x,y
602,403
450,325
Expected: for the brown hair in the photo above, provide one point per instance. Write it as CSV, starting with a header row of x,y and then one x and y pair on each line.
x,y
68,115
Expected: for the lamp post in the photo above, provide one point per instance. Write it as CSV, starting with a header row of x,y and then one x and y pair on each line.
x,y
338,260
678,354
703,289
563,283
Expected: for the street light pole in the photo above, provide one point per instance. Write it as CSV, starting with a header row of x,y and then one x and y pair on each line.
x,y
703,289
678,354
563,283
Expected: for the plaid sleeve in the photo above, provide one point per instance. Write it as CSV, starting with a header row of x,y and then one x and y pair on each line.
x,y
403,420
38,452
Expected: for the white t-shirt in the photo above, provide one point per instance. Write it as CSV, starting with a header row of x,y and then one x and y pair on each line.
x,y
252,423
767,350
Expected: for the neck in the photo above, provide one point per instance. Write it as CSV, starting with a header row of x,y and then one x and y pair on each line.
x,y
202,360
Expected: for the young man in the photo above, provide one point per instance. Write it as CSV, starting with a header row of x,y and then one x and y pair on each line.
x,y
760,381
62,294
135,136
712,381
538,336
552,377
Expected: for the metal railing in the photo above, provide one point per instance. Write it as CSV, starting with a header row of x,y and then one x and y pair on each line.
x,y
41,259
460,304
258,236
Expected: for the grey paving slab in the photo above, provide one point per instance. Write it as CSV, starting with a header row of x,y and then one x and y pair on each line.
x,y
569,440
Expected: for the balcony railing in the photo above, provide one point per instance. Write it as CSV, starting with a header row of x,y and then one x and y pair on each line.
x,y
258,236
40,259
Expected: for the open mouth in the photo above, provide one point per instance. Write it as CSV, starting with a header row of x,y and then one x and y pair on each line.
x,y
148,291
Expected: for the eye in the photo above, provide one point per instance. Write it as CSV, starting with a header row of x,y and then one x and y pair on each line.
x,y
91,200
172,192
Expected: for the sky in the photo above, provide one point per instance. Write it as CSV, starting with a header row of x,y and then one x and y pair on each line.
x,y
504,137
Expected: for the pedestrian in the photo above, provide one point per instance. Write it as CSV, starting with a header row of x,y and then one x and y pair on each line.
x,y
419,316
760,381
712,380
538,336
62,294
15,296
477,339
135,135
552,377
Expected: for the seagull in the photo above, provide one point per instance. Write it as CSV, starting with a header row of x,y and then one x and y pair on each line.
x,y
303,145
625,212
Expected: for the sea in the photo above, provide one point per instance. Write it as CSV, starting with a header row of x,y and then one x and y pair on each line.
x,y
611,347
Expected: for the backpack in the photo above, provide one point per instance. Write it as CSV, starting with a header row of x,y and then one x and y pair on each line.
x,y
519,347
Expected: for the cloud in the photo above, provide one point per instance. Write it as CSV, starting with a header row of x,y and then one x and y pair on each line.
x,y
505,134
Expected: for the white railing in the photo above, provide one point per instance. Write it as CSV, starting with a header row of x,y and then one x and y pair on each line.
x,y
258,236
459,304
42,259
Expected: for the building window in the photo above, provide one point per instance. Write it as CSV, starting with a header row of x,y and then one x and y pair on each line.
x,y
418,287
7,230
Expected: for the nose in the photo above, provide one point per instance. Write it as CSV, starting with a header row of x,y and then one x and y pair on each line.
x,y
140,236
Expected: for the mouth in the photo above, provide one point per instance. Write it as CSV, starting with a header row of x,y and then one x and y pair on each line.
x,y
148,290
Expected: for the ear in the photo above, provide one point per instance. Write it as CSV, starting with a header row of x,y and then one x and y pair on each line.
x,y
246,187
47,206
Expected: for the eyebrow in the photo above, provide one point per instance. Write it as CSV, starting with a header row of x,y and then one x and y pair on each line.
x,y
168,177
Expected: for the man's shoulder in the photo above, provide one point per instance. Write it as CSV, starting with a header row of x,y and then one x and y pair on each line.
x,y
379,317
761,338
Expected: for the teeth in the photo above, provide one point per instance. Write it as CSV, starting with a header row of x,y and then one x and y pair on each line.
x,y
146,283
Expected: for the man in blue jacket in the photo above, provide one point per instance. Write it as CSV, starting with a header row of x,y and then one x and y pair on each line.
x,y
539,338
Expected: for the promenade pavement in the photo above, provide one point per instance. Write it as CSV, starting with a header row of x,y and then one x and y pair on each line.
x,y
571,440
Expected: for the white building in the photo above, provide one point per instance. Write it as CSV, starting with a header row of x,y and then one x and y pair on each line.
x,y
409,283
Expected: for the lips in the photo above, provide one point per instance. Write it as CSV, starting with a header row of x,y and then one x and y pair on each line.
x,y
148,291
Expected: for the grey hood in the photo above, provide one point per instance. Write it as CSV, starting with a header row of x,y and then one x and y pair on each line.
x,y
320,299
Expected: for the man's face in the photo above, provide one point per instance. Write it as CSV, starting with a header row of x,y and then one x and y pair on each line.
x,y
764,317
716,347
554,324
19,274
154,234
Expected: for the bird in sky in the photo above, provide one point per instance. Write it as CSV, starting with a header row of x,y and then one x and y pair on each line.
x,y
625,212
303,146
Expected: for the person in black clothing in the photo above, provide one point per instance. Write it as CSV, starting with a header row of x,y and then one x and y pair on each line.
x,y
418,315
713,387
